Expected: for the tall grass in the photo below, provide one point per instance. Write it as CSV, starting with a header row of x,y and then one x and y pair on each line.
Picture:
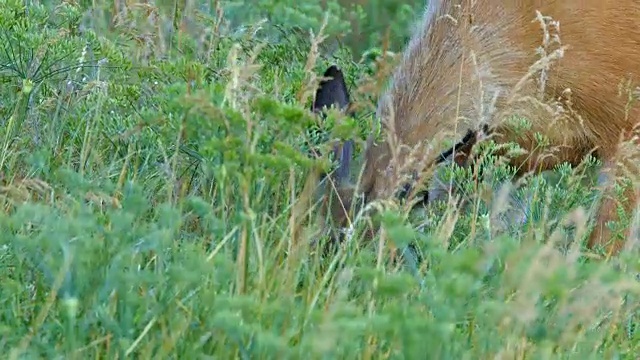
x,y
153,158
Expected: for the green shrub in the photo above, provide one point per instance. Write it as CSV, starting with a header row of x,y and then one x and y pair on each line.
x,y
151,167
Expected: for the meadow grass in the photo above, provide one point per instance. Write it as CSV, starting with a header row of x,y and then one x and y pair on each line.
x,y
152,165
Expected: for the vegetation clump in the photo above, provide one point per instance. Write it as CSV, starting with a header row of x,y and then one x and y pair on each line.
x,y
153,161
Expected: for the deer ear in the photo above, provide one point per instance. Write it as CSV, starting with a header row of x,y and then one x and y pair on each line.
x,y
343,153
331,91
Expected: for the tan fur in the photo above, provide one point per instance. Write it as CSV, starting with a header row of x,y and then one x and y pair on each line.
x,y
465,66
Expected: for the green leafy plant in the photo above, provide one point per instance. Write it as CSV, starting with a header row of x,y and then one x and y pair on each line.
x,y
153,180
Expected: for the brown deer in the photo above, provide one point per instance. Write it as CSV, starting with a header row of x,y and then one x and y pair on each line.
x,y
473,64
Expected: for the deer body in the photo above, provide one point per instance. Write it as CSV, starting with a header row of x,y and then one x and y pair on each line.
x,y
472,64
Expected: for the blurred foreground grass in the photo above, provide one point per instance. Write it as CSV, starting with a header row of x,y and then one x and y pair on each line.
x,y
151,160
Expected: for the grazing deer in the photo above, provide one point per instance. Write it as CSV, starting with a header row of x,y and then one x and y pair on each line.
x,y
472,64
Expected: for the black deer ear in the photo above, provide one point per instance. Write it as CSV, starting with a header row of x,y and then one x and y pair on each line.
x,y
331,91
